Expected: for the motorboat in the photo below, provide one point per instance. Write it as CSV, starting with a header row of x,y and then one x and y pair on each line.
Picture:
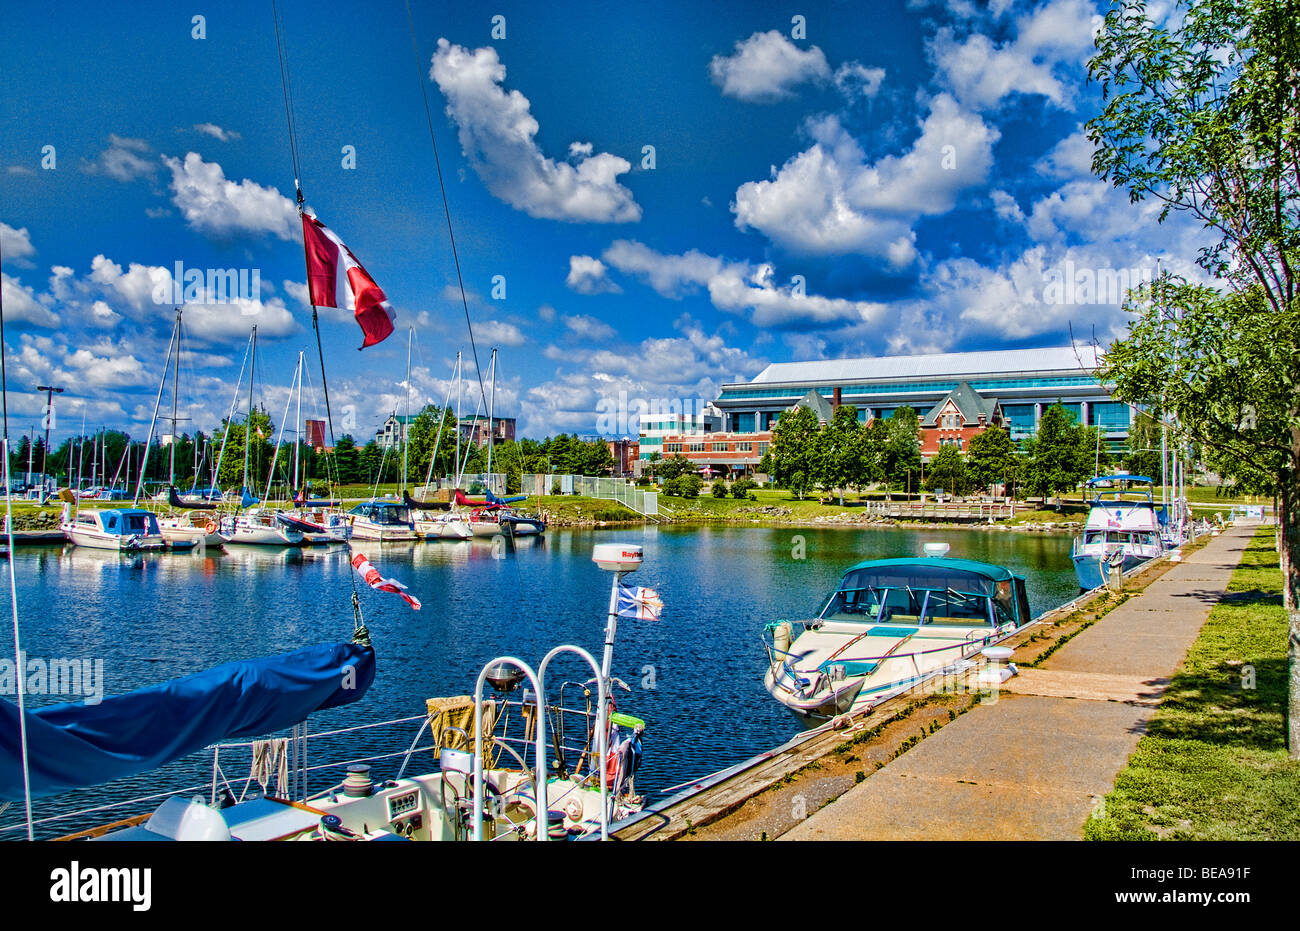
x,y
890,625
1122,529
124,529
383,520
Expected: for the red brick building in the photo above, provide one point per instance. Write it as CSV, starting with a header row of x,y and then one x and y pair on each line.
x,y
728,454
960,417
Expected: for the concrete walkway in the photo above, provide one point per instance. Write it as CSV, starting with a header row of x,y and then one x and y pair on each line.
x,y
1034,763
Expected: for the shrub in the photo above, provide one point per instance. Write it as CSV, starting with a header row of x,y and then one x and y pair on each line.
x,y
683,486
555,488
720,489
741,488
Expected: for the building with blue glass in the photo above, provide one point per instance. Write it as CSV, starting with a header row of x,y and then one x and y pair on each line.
x,y
1020,383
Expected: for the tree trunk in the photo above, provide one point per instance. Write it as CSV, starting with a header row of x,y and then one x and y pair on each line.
x,y
1288,521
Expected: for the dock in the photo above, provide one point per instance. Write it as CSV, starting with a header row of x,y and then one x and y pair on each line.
x,y
1031,761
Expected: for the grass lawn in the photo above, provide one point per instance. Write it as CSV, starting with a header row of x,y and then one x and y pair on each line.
x,y
1213,765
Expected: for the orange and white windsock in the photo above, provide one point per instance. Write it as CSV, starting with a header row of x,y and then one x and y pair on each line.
x,y
379,583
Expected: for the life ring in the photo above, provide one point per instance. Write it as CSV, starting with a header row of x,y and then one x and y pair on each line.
x,y
211,527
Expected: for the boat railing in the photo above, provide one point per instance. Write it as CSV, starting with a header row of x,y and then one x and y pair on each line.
x,y
220,783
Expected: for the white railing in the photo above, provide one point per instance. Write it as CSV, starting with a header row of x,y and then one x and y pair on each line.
x,y
624,492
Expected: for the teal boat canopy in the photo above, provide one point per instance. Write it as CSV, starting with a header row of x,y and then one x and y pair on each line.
x,y
923,566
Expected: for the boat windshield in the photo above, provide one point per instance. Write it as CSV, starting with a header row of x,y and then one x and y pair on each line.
x,y
940,597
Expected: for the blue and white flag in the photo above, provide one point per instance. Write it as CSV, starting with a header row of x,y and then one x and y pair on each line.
x,y
640,603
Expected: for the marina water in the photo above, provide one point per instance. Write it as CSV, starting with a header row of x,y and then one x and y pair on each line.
x,y
695,675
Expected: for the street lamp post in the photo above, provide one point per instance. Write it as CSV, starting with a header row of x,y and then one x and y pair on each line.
x,y
50,391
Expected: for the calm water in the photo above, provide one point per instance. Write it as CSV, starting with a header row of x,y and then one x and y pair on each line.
x,y
156,617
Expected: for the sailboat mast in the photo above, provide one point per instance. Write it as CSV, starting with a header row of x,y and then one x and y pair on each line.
x,y
248,421
458,398
176,377
406,427
492,398
297,426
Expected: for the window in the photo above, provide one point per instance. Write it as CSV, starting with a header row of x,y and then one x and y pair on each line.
x,y
744,447
672,447
696,448
719,447
762,448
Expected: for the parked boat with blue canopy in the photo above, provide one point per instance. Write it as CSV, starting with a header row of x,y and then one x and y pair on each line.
x,y
1122,530
890,625
125,529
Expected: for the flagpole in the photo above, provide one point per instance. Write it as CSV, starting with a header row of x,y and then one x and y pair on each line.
x,y
406,427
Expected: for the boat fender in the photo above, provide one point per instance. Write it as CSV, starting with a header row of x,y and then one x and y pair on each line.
x,y
781,638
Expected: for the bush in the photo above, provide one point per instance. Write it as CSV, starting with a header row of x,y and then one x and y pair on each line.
x,y
643,481
555,488
720,489
683,486
742,487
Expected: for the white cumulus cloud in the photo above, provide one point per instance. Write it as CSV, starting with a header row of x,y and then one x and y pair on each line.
x,y
497,133
214,205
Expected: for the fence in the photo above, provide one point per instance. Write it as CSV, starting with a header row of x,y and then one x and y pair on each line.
x,y
609,489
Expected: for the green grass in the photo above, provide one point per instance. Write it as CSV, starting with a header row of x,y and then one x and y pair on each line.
x,y
1213,765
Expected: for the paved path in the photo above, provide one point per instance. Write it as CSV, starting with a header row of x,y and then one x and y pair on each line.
x,y
1033,764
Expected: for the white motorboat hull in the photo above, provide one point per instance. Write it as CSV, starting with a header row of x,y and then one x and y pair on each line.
x,y
82,536
261,536
365,530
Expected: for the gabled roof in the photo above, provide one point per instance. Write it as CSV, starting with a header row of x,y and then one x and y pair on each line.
x,y
968,401
817,404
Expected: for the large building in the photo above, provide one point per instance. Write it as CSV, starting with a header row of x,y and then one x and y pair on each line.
x,y
1008,386
656,427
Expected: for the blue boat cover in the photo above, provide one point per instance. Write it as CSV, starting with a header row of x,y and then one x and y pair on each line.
x,y
493,499
73,745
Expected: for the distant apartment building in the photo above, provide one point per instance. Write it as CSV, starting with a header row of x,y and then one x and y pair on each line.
x,y
393,433
477,431
655,428
624,453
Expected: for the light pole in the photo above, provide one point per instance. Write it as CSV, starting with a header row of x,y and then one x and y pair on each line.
x,y
50,391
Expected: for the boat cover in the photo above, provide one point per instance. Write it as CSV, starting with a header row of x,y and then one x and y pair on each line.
x,y
192,504
73,745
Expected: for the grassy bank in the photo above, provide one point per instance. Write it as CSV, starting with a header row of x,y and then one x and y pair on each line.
x,y
1213,765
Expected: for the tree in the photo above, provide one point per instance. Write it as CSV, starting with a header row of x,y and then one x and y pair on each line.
x,y
841,451
900,458
1204,117
793,450
347,460
1142,455
674,466
993,458
948,471
1059,455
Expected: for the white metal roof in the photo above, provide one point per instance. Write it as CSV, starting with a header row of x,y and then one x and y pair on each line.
x,y
939,365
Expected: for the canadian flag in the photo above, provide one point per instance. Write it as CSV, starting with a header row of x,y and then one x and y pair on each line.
x,y
325,253
379,583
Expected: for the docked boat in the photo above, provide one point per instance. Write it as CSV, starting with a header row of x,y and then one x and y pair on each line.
x,y
191,529
255,527
891,625
317,525
125,529
515,760
1122,530
384,521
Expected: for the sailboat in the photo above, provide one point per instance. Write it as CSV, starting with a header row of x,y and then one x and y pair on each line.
x,y
185,529
250,525
562,772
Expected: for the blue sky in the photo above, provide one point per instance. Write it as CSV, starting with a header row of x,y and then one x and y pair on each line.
x,y
898,177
